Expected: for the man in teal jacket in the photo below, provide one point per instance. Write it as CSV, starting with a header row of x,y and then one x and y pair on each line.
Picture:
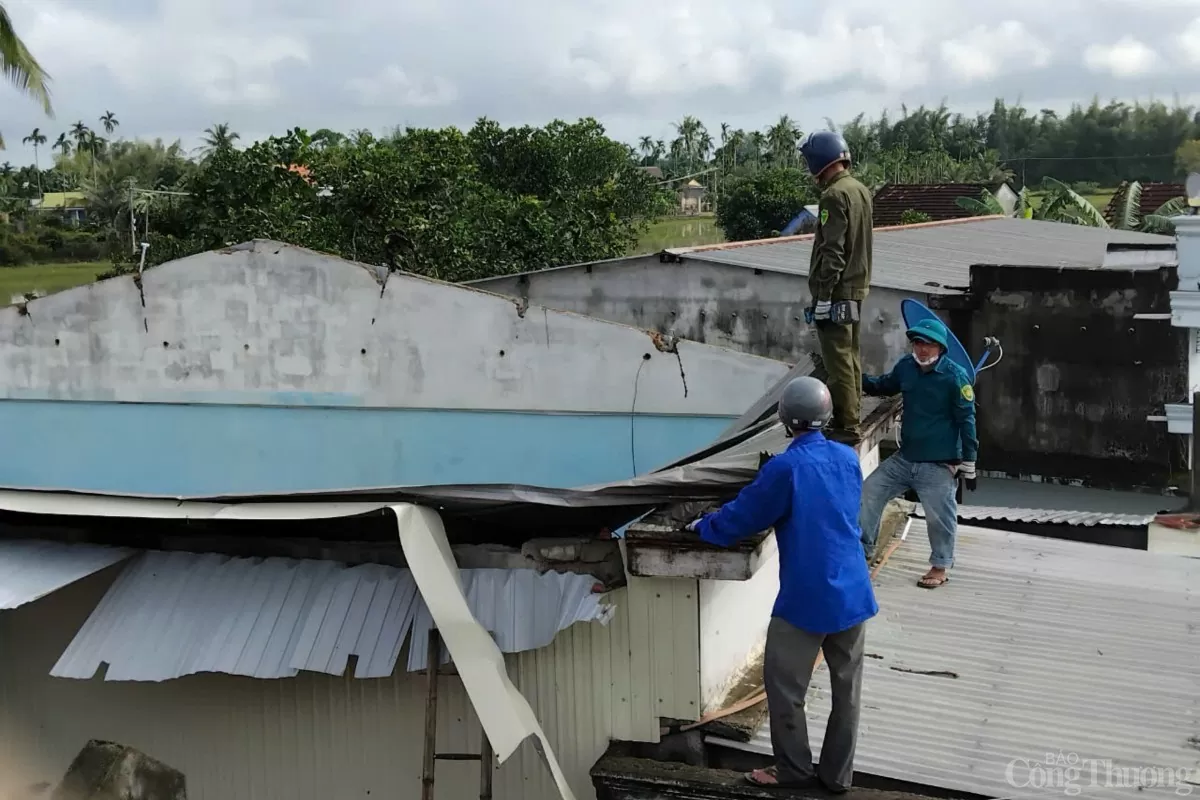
x,y
938,444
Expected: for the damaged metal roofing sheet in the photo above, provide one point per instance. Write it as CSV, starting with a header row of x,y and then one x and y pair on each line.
x,y
171,614
936,258
1035,646
1047,516
33,569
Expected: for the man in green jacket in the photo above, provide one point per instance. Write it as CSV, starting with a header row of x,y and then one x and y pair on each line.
x,y
938,444
839,275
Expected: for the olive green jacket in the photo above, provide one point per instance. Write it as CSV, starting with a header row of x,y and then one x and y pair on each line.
x,y
840,268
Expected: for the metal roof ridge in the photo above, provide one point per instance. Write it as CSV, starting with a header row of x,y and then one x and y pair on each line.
x,y
707,248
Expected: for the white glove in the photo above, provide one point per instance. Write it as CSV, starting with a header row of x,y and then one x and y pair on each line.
x,y
691,526
821,309
967,470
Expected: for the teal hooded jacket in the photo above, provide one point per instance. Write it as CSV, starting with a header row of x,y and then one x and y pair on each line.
x,y
938,423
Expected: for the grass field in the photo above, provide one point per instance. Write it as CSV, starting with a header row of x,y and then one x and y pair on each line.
x,y
679,232
46,278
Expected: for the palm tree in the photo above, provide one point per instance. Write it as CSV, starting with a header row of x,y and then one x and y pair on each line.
x,y
782,138
110,122
79,132
64,144
20,67
218,137
646,146
37,139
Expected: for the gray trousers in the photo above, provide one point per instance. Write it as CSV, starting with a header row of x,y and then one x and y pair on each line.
x,y
787,670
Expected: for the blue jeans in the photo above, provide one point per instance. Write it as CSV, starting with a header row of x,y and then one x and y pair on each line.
x,y
933,483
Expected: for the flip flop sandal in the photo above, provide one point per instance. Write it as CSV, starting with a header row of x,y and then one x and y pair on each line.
x,y
930,582
769,776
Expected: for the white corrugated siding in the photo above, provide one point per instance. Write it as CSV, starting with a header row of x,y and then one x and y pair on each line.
x,y
172,614
30,569
1057,646
325,737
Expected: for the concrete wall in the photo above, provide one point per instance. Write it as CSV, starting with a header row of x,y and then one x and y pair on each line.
x,y
752,311
270,368
317,737
1080,374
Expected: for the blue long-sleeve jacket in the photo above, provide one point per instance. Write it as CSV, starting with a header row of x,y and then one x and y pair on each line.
x,y
938,423
810,494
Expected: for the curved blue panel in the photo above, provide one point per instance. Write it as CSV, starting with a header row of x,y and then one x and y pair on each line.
x,y
177,449
913,312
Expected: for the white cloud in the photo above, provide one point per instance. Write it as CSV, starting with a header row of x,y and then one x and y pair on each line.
x,y
174,67
395,87
1189,43
178,49
1126,58
986,52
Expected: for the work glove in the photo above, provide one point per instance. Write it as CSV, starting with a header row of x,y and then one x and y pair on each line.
x,y
966,470
691,526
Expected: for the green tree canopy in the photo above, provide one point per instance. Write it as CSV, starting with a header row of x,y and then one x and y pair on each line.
x,y
761,205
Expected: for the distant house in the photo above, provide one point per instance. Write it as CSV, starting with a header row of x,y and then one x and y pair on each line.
x,y
938,201
691,197
1154,195
72,205
655,173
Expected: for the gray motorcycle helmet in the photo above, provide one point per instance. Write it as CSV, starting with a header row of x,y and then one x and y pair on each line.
x,y
805,405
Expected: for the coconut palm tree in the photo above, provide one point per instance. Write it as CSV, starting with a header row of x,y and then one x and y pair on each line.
x,y
218,137
37,139
110,122
64,144
20,67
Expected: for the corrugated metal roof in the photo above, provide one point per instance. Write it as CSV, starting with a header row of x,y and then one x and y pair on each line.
x,y
936,258
171,614
1154,195
938,200
32,569
1046,516
1041,646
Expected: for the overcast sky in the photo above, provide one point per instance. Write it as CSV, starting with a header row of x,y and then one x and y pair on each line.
x,y
170,68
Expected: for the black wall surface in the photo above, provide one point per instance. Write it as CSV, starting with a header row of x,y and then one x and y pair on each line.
x,y
1079,375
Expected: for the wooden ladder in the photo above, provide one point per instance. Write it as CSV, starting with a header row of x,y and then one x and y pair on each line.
x,y
484,756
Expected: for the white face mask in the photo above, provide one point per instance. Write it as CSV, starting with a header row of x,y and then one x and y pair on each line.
x,y
927,362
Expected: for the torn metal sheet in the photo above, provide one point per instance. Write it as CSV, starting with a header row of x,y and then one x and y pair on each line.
x,y
504,713
31,569
171,614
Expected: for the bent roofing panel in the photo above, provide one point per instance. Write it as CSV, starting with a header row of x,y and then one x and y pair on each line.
x,y
1035,646
172,614
33,569
936,258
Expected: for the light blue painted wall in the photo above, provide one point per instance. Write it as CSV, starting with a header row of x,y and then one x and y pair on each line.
x,y
177,449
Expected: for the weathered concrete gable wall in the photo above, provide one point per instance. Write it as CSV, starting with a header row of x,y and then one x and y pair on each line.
x,y
278,325
1079,375
268,368
752,311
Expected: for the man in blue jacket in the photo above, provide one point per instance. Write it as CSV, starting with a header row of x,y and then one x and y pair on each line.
x,y
937,444
810,494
